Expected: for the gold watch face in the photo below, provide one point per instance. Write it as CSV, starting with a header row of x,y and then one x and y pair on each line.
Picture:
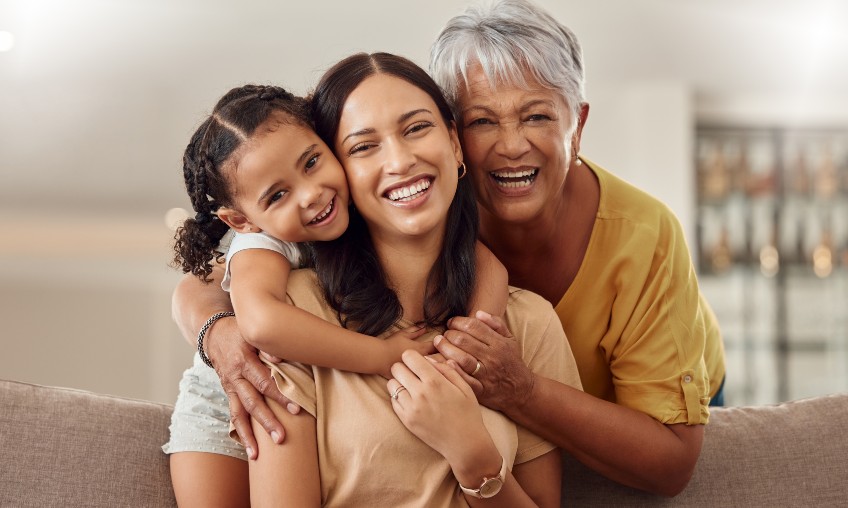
x,y
490,487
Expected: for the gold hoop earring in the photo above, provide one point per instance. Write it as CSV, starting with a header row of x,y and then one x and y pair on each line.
x,y
464,170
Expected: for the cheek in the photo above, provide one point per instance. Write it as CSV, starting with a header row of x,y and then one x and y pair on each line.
x,y
473,151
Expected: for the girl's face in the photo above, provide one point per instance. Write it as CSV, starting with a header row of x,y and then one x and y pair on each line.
x,y
400,156
288,184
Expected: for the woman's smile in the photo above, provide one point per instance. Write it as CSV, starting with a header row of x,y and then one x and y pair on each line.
x,y
514,180
411,193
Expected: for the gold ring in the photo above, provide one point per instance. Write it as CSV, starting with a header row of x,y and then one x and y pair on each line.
x,y
397,391
477,368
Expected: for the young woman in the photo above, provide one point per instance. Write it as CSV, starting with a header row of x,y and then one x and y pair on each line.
x,y
407,257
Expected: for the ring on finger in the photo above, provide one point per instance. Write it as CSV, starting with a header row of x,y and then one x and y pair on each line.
x,y
397,392
477,368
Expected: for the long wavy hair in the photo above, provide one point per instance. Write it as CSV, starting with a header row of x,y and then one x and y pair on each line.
x,y
349,272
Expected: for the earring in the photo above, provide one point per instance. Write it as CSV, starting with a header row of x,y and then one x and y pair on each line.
x,y
464,170
577,161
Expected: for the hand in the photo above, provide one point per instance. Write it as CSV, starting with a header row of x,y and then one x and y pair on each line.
x,y
503,380
438,407
245,380
395,344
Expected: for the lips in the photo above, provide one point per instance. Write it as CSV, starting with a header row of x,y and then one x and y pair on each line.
x,y
514,178
324,213
409,191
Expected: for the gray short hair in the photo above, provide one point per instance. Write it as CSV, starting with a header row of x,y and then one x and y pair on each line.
x,y
508,38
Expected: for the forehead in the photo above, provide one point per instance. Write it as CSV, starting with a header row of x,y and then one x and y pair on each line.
x,y
383,95
478,89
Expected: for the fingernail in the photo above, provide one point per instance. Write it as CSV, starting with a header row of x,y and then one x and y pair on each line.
x,y
293,408
481,314
250,455
276,437
437,340
433,360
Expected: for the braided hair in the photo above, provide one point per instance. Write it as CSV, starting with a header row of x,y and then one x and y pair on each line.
x,y
212,148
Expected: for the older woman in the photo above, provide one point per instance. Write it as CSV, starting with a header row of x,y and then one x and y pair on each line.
x,y
611,259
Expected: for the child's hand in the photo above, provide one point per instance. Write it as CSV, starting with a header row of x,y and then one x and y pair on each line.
x,y
400,341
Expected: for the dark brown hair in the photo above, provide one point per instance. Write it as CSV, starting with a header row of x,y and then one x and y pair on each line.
x,y
213,146
348,269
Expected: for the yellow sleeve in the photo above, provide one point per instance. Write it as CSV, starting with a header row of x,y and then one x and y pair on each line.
x,y
658,363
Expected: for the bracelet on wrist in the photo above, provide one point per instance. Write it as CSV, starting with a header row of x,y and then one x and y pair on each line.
x,y
205,328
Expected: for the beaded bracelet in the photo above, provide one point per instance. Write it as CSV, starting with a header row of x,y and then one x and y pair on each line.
x,y
205,328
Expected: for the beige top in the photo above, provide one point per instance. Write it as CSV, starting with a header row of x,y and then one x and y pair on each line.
x,y
366,456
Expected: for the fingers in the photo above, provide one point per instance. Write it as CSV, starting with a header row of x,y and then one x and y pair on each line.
x,y
462,356
241,421
495,323
425,348
269,358
258,374
475,384
456,377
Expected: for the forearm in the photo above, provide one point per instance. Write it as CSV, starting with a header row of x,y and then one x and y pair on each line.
x,y
285,331
620,443
194,301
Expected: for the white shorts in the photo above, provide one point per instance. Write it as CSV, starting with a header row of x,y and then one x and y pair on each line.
x,y
201,419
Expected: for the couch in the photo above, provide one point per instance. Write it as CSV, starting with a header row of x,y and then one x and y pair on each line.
x,y
69,448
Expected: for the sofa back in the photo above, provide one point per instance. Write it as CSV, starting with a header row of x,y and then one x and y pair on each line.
x,y
67,448
64,447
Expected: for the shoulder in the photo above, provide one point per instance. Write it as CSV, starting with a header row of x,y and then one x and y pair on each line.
x,y
304,292
531,319
634,211
245,241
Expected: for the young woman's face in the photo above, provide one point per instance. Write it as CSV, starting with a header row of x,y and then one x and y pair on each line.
x,y
518,146
289,184
400,156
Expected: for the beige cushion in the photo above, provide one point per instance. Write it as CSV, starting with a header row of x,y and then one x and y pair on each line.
x,y
65,447
792,454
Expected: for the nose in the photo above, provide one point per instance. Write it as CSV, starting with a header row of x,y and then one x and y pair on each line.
x,y
399,157
512,143
310,194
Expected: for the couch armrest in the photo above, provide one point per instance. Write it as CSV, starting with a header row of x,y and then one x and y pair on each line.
x,y
791,454
64,447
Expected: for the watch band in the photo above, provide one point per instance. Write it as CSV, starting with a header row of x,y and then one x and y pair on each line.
x,y
490,486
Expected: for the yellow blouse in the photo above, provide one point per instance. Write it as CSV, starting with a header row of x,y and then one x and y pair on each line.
x,y
641,332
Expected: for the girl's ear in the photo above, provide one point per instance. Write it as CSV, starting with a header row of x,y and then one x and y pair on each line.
x,y
236,220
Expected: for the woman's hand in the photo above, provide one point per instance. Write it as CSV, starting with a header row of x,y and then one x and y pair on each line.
x,y
437,405
247,381
502,380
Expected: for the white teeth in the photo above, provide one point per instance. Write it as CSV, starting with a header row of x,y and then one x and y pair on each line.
x,y
515,179
324,213
409,192
515,174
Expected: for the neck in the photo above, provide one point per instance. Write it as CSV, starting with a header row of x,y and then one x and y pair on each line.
x,y
545,254
407,263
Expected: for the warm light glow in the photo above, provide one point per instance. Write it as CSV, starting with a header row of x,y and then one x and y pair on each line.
x,y
175,217
822,261
7,41
769,261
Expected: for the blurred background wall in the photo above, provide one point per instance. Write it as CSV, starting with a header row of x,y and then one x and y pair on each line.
x,y
98,99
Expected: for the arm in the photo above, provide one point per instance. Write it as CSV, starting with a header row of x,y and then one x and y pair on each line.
x,y
490,291
435,396
244,378
621,443
287,475
269,323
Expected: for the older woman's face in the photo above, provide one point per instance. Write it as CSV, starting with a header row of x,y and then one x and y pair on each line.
x,y
517,144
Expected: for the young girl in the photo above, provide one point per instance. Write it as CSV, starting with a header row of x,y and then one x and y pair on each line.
x,y
256,167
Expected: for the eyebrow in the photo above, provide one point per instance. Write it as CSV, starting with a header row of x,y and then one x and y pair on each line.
x,y
303,156
404,117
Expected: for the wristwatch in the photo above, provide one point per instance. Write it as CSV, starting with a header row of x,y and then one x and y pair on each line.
x,y
490,486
